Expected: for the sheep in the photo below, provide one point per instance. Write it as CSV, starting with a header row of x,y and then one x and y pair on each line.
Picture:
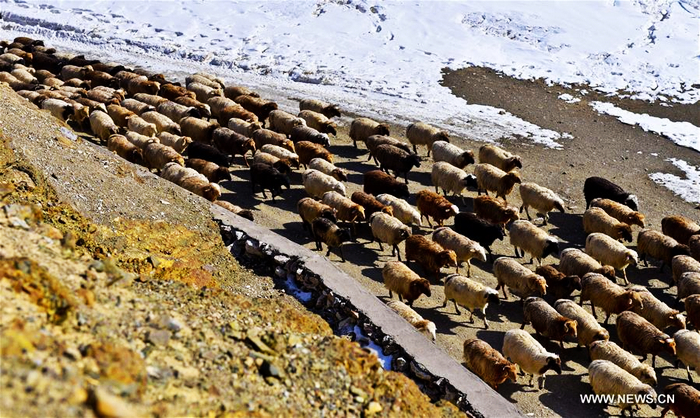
x,y
208,80
483,232
432,205
217,104
387,229
318,122
235,209
608,350
120,115
58,108
211,171
522,281
688,284
105,95
540,198
488,363
307,151
317,183
125,149
547,321
559,284
657,312
613,299
310,209
73,71
424,326
191,180
324,230
282,153
464,248
304,133
231,92
494,211
281,165
500,158
470,294
266,136
532,240
326,109
396,160
377,182
619,211
694,245
242,127
525,351
140,141
686,400
609,252
197,129
362,128
490,178
268,178
574,262
231,143
683,263
325,167
420,133
102,125
141,85
370,203
207,152
204,92
373,141
162,122
283,122
597,220
688,350
237,111
177,142
444,151
659,246
24,76
430,255
607,378
348,210
155,101
137,106
692,310
640,335
587,328
157,155
139,125
260,107
595,187
402,210
408,285
449,178
172,92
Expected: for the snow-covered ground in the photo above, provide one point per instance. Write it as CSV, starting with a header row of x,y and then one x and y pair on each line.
x,y
385,58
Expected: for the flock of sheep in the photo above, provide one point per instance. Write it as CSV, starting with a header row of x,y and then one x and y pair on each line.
x,y
147,120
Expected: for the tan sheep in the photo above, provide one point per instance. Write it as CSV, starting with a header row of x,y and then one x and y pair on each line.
x,y
521,281
152,100
488,363
694,245
325,167
157,155
420,133
542,199
546,321
525,351
498,157
608,350
177,142
574,262
470,294
317,184
657,312
326,109
490,178
137,124
362,128
282,154
688,350
283,122
449,178
347,210
232,91
102,125
402,280
218,103
310,209
208,80
235,209
679,228
532,240
266,136
659,246
190,180
587,327
140,141
387,229
607,378
162,122
242,127
619,211
198,129
58,108
688,284
683,263
450,153
641,336
136,106
464,248
403,210
424,326
610,252
318,121
596,220
612,298
176,112
204,92
125,149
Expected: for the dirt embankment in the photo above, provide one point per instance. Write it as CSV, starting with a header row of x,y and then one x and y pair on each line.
x,y
119,299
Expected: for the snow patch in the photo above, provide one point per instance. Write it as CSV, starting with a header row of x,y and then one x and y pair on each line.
x,y
687,188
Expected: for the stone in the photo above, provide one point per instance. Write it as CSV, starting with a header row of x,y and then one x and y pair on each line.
x,y
159,337
373,408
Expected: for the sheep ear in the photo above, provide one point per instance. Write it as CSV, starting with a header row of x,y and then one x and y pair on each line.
x,y
668,340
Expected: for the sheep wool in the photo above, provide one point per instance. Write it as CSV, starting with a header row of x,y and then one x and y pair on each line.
x,y
488,363
525,351
575,262
403,210
608,251
640,336
547,321
328,168
424,326
490,178
608,350
679,228
521,281
596,220
464,248
659,246
588,329
448,178
102,125
619,211
470,294
532,240
450,153
542,199
420,133
609,379
688,284
686,400
657,312
688,349
683,263
387,229
498,157
362,128
402,280
317,184
610,297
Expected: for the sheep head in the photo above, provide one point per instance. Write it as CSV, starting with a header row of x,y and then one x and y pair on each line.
x,y
413,160
538,283
427,328
447,258
667,344
568,326
358,213
607,271
573,282
553,363
635,218
420,286
510,371
442,136
551,247
465,158
623,232
676,319
222,173
511,178
343,235
632,202
680,249
381,129
211,192
492,297
601,335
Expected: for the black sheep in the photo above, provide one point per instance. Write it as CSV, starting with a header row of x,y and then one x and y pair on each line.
x,y
595,187
377,182
324,230
481,231
207,152
268,178
397,160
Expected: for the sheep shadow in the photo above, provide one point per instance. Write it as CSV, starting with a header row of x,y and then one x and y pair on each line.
x,y
567,227
348,151
564,401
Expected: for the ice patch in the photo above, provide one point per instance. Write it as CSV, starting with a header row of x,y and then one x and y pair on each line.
x,y
687,188
682,133
295,291
384,360
569,98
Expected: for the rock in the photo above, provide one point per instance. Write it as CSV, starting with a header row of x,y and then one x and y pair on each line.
x,y
420,372
268,369
253,248
106,405
159,337
373,408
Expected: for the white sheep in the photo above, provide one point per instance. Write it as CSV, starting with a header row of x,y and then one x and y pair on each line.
x,y
102,125
141,141
610,252
444,151
402,280
317,183
204,92
219,103
58,108
608,350
659,246
424,326
177,142
326,167
470,294
362,128
532,240
490,178
137,124
688,349
542,199
243,127
176,173
657,312
191,180
449,178
403,210
281,153
683,263
525,351
498,157
521,281
162,122
574,262
387,229
420,133
464,248
326,109
607,378
283,122
597,220
588,329
318,121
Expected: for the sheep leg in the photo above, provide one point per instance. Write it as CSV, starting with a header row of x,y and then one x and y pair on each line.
x,y
405,177
381,248
593,308
329,251
444,303
523,325
342,256
687,369
415,151
486,322
436,190
661,268
370,157
398,253
517,255
471,316
490,254
606,319
469,269
541,379
653,360
390,294
644,258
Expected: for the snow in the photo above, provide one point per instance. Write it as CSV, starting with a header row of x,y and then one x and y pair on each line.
x,y
386,59
384,360
687,188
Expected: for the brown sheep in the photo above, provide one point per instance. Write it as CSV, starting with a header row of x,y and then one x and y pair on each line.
x,y
324,230
495,211
597,220
157,155
490,178
612,298
362,128
266,136
197,129
432,205
659,246
260,107
237,112
310,209
231,92
235,209
233,143
559,285
120,115
429,255
172,92
619,211
396,160
692,309
212,171
488,363
377,182
125,149
408,285
679,228
639,335
547,321
694,245
307,151
686,400
204,109
371,204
